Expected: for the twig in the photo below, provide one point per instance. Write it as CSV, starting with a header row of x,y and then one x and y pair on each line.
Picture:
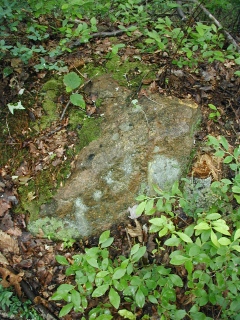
x,y
129,241
103,34
180,12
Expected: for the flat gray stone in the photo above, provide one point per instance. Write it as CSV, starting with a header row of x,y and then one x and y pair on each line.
x,y
149,143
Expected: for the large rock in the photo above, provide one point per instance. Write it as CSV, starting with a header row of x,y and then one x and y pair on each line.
x,y
149,143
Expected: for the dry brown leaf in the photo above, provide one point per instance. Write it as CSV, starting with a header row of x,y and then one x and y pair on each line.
x,y
16,232
3,260
207,165
4,206
7,243
136,232
10,279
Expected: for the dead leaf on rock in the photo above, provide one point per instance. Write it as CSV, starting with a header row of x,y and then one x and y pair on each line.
x,y
207,165
136,232
7,243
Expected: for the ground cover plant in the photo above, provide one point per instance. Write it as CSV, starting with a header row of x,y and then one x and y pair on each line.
x,y
177,257
196,274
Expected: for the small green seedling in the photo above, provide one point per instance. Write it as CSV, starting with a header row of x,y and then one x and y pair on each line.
x,y
73,81
215,115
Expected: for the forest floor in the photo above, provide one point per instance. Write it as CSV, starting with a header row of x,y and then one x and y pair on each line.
x,y
28,262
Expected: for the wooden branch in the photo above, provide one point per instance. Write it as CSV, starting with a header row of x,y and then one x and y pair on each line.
x,y
105,34
180,12
218,24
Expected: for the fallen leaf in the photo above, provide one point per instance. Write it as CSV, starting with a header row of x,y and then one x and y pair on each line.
x,y
3,260
10,279
136,232
7,243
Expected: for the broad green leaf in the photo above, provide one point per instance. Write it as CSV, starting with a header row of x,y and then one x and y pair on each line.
x,y
237,248
66,309
202,226
224,142
194,250
172,242
72,80
159,222
189,230
237,197
189,266
75,298
93,262
77,100
124,264
212,106
152,299
139,254
175,189
213,141
214,239
129,268
228,159
114,298
119,273
65,287
107,243
62,260
219,153
140,298
149,206
104,317
135,248
224,241
213,216
104,236
176,280
100,291
237,234
222,230
141,198
102,274
141,207
236,189
163,232
178,260
179,314
184,237
127,314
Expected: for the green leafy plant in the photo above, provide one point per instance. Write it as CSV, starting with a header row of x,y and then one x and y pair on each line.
x,y
11,304
96,275
215,115
73,81
208,248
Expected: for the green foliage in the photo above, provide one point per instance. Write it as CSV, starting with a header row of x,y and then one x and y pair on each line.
x,y
73,81
215,115
186,44
13,306
96,275
206,250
